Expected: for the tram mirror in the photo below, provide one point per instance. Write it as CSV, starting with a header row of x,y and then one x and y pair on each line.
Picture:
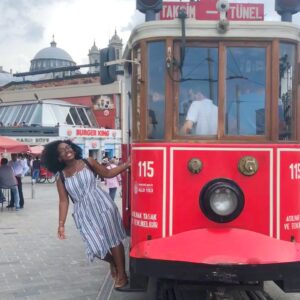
x,y
107,71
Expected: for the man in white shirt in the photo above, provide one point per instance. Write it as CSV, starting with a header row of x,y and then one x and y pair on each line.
x,y
20,170
203,114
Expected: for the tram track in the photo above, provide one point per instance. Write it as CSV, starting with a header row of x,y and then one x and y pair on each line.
x,y
209,295
181,292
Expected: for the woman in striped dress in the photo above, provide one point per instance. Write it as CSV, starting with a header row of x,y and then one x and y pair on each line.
x,y
96,216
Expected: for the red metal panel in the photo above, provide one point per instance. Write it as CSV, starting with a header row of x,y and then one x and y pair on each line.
x,y
148,193
221,162
219,246
288,204
165,194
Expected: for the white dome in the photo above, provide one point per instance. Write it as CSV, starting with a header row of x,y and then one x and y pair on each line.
x,y
51,57
53,53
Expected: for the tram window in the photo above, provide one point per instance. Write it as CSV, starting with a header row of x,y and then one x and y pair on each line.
x,y
136,90
156,90
287,67
198,92
245,91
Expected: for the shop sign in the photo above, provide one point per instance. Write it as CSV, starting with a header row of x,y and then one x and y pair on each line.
x,y
34,140
89,132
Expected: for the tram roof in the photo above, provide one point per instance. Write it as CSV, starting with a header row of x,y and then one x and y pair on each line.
x,y
255,30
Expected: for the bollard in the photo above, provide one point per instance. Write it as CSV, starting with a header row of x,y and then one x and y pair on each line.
x,y
33,189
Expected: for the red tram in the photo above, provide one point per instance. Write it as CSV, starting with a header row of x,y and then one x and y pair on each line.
x,y
215,179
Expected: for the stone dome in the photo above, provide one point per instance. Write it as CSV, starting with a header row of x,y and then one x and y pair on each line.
x,y
51,57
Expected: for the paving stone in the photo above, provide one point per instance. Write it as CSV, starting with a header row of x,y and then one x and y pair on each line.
x,y
34,264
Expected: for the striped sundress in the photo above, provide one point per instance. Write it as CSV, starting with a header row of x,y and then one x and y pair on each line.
x,y
96,216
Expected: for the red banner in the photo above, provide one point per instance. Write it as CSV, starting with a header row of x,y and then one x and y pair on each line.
x,y
207,10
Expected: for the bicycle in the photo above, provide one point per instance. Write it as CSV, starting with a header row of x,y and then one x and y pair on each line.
x,y
45,175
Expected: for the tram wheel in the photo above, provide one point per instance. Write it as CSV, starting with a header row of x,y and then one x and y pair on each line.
x,y
165,291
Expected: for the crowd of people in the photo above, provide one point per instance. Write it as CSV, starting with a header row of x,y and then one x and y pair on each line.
x,y
15,124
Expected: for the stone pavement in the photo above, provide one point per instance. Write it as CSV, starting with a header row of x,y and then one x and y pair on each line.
x,y
34,264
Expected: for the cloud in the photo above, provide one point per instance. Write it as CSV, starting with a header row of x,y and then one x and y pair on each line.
x,y
27,26
20,18
135,19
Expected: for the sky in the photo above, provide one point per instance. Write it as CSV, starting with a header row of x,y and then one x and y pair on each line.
x,y
27,26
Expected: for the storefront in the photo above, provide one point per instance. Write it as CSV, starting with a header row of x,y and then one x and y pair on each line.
x,y
95,142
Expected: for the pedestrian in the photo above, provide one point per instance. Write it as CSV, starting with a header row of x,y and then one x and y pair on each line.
x,y
96,216
20,169
36,165
112,183
202,115
9,181
25,163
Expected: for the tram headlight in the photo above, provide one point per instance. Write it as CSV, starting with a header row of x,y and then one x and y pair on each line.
x,y
221,200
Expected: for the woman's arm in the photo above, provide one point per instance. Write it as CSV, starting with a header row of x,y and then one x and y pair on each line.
x,y
108,173
63,208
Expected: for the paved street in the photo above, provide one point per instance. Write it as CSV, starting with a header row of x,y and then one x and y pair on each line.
x,y
34,264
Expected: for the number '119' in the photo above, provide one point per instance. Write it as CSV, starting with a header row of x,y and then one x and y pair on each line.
x,y
295,171
146,168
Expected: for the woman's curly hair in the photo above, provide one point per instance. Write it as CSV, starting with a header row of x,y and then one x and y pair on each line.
x,y
50,155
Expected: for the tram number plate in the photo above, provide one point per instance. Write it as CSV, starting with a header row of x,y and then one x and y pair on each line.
x,y
295,171
146,168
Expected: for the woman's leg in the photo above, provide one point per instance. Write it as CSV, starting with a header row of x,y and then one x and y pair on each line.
x,y
113,269
118,255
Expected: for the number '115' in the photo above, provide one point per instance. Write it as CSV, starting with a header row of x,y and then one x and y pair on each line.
x,y
146,168
295,171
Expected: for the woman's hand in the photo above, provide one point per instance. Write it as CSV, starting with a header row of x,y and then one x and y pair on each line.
x,y
128,162
61,232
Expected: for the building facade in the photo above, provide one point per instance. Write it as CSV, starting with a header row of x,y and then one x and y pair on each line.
x,y
62,105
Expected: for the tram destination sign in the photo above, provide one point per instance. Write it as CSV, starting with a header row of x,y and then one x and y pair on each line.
x,y
206,10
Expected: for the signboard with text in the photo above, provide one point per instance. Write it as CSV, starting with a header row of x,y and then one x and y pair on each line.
x,y
207,10
70,132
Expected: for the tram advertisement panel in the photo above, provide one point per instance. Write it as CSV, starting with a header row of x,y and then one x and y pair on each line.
x,y
148,193
288,191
